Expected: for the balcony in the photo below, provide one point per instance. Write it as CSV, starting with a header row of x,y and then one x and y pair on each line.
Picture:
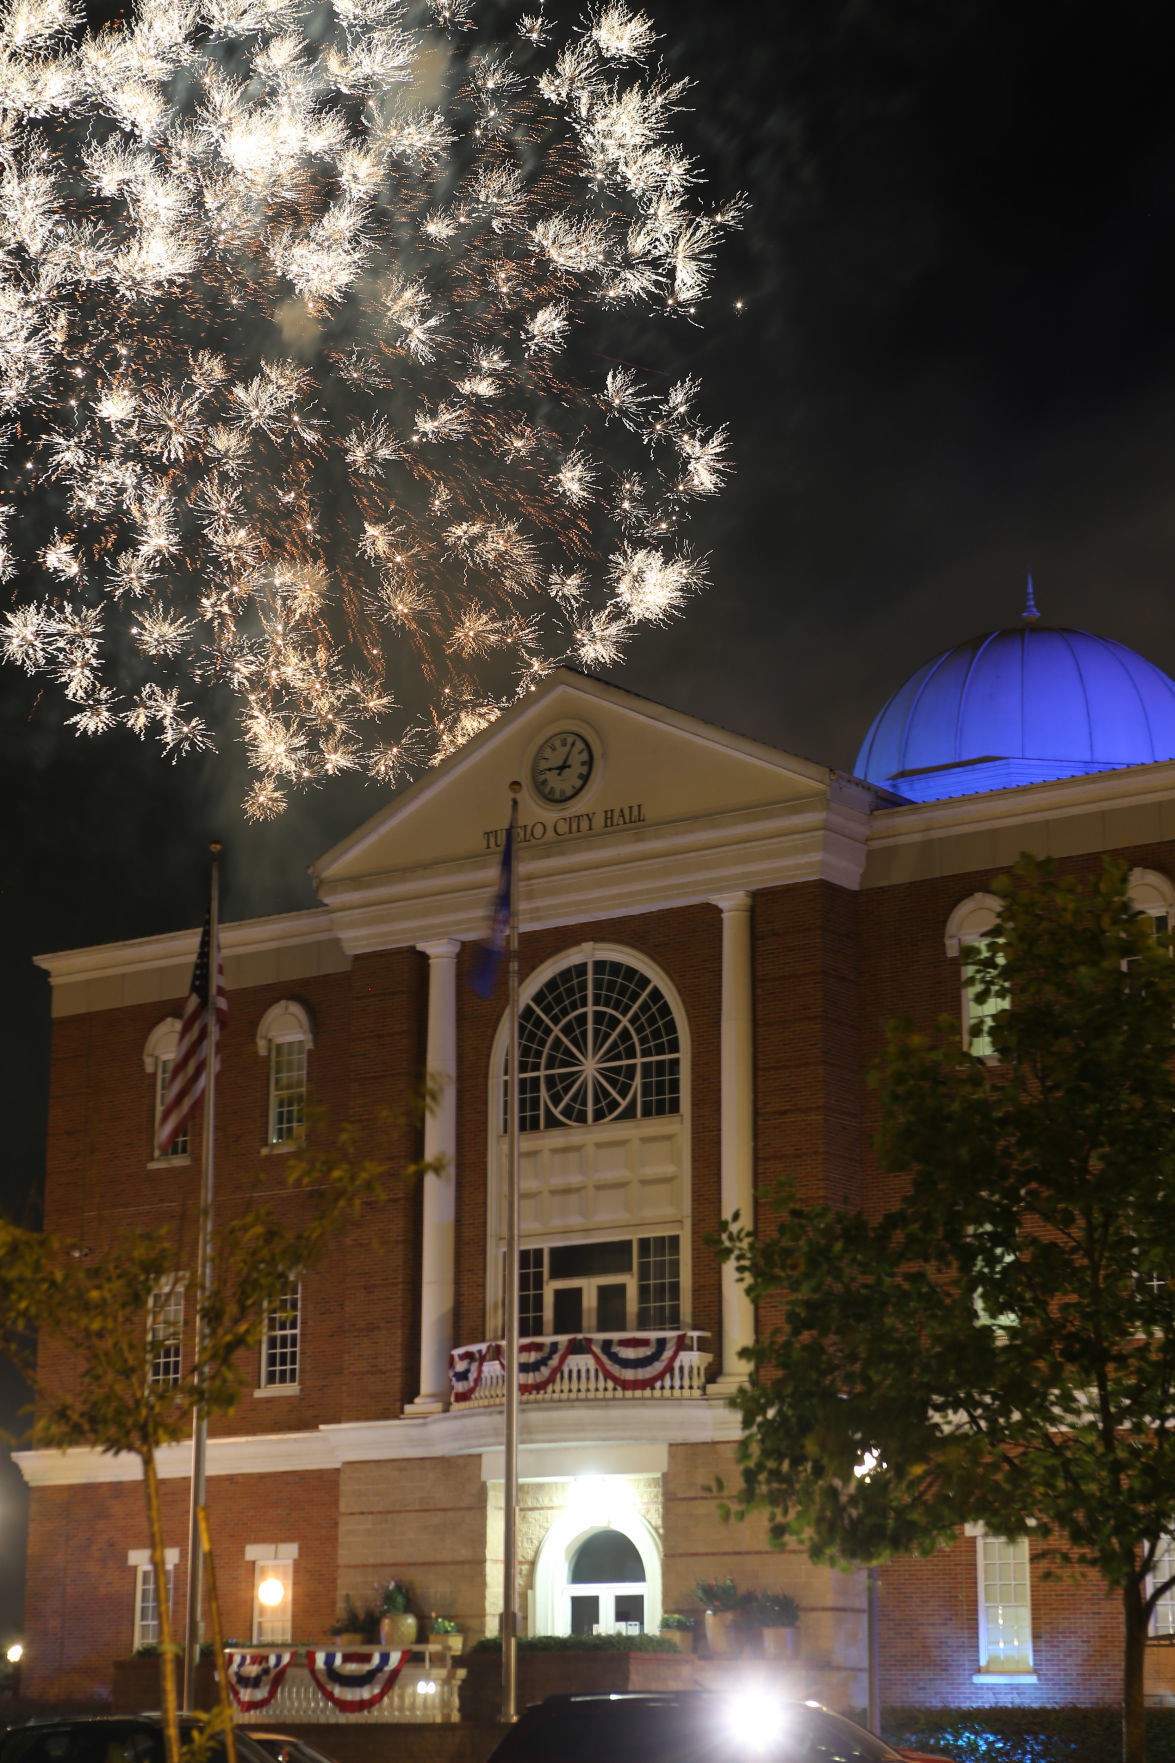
x,y
584,1368
297,1687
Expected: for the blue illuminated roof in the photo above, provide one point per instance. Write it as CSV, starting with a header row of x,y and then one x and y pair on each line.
x,y
1019,706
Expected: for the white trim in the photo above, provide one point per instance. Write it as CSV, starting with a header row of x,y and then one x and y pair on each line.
x,y
569,1530
1151,891
565,1462
144,1558
161,1043
271,1551
634,1228
971,919
287,1020
248,936
1001,1671
574,1425
1004,1677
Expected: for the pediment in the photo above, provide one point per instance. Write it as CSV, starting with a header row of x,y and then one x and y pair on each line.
x,y
651,767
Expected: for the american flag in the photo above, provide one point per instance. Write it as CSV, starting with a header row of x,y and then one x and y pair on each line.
x,y
185,1082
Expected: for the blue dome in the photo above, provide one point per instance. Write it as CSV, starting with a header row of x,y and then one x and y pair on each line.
x,y
1019,706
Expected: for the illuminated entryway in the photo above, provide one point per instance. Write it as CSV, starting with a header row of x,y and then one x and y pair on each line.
x,y
598,1568
606,1586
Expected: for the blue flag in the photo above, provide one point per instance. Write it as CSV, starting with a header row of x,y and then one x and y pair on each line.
x,y
488,962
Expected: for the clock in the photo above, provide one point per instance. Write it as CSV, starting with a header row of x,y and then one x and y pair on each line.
x,y
562,766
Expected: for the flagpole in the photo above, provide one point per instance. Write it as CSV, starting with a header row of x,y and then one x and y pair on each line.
x,y
510,1501
203,1288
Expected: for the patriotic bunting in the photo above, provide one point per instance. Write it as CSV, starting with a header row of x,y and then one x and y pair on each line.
x,y
355,1682
629,1362
255,1678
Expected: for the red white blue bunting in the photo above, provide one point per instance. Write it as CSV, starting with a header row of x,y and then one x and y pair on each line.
x,y
635,1362
255,1678
539,1364
355,1682
466,1366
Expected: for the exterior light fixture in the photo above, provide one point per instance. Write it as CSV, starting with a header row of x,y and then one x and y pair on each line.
x,y
270,1592
15,1653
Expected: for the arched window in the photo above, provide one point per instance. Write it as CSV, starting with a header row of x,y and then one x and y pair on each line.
x,y
606,1586
603,1108
971,923
284,1037
158,1054
1153,893
598,1565
597,1042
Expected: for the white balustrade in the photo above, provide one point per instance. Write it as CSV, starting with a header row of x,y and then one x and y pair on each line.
x,y
426,1692
580,1379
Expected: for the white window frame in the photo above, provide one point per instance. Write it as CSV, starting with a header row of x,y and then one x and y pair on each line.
x,y
1152,892
1163,1614
993,1666
272,1560
971,922
290,1386
142,1562
158,1053
165,1298
285,1024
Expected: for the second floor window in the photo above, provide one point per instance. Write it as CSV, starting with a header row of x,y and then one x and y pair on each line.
x,y
165,1333
600,1287
282,1340
146,1627
287,1091
182,1143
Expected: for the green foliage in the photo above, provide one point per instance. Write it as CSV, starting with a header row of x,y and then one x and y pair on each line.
x,y
579,1643
350,1621
442,1625
717,1594
772,1610
1026,1735
988,1347
672,1621
394,1598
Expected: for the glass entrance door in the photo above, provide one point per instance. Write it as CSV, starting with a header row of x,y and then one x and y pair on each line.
x,y
606,1586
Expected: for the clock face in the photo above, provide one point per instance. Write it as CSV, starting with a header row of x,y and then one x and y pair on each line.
x,y
562,766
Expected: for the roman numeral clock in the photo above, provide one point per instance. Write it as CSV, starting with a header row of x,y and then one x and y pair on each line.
x,y
562,767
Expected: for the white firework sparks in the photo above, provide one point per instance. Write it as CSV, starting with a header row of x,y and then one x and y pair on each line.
x,y
289,306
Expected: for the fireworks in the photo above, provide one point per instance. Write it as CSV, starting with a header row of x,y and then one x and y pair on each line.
x,y
294,404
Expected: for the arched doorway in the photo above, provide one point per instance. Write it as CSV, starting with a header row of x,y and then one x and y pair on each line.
x,y
559,1555
606,1586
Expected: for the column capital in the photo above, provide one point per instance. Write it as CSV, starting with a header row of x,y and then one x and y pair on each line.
x,y
443,949
728,903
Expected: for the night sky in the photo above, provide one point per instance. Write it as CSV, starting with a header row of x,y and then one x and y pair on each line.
x,y
955,362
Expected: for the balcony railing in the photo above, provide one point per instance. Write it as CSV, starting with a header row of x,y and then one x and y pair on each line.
x,y
424,1691
584,1368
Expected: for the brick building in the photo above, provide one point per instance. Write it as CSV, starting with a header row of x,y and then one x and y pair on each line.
x,y
714,933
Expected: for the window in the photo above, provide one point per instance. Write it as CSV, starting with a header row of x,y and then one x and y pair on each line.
x,y
969,926
273,1590
600,1287
145,1631
158,1057
165,1334
279,1347
606,1586
1005,1607
284,1037
597,1042
1163,1619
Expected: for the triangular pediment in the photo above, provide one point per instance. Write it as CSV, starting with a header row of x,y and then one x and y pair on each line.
x,y
650,767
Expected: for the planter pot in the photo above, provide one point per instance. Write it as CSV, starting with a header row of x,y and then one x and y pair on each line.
x,y
452,1643
397,1631
348,1639
675,1635
722,1634
781,1643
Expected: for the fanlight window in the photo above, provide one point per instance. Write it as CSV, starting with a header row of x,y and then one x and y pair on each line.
x,y
597,1042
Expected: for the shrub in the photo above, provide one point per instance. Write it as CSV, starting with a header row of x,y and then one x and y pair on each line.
x,y
772,1610
394,1598
1026,1735
442,1625
717,1594
671,1620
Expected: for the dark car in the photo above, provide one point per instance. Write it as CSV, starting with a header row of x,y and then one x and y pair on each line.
x,y
690,1727
283,1749
107,1738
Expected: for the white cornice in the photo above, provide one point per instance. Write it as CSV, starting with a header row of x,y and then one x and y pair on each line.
x,y
249,936
595,877
1131,786
454,1434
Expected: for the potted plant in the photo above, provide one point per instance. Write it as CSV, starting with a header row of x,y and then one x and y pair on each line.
x,y
444,1630
776,1615
397,1625
721,1601
678,1629
348,1626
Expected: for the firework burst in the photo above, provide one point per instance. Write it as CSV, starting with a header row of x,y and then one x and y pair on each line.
x,y
295,407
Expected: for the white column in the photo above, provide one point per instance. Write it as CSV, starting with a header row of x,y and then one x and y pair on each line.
x,y
440,1189
738,1123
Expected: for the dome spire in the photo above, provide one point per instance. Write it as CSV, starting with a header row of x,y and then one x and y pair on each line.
x,y
1030,611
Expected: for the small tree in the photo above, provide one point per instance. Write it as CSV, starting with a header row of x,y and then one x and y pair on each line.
x,y
89,1326
1000,1345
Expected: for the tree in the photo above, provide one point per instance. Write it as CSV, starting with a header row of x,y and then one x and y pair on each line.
x,y
89,1328
999,1346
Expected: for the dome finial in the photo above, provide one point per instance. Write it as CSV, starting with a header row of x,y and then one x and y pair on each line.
x,y
1030,611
